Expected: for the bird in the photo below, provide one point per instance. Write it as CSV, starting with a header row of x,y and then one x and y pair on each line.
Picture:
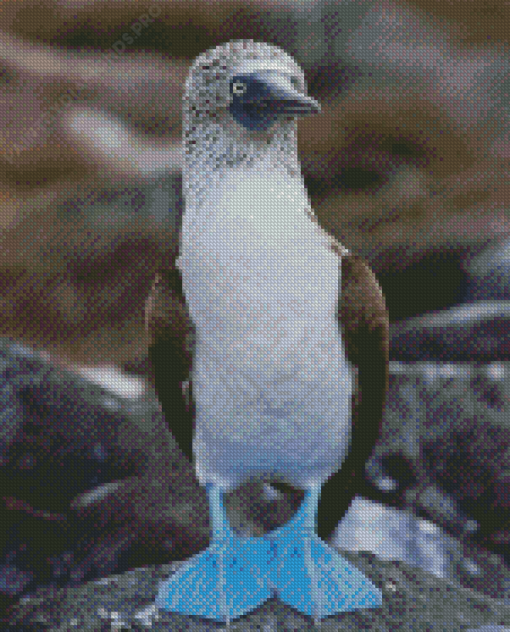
x,y
280,334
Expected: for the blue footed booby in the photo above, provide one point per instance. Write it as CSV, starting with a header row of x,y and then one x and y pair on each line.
x,y
288,370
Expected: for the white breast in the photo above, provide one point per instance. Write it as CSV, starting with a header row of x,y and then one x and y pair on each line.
x,y
271,383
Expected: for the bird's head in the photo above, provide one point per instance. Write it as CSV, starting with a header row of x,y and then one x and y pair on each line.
x,y
260,98
252,85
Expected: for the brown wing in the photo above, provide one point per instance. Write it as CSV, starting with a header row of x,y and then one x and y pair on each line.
x,y
171,334
364,324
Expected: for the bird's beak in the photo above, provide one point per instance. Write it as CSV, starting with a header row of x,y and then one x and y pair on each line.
x,y
282,97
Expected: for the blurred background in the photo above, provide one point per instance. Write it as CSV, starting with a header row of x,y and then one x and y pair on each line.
x,y
407,165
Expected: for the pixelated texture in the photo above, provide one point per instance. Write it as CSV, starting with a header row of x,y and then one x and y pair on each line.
x,y
408,166
271,382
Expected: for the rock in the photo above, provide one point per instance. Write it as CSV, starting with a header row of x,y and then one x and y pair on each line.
x,y
413,601
489,273
93,484
444,454
92,481
469,332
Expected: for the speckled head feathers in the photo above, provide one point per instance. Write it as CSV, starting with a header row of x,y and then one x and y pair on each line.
x,y
207,85
216,137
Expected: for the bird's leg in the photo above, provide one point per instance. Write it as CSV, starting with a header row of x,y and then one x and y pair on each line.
x,y
226,580
312,577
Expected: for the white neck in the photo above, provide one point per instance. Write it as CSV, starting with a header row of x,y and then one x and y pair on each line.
x,y
249,245
212,151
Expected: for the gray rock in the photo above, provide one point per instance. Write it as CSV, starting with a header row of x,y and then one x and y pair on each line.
x,y
413,601
88,480
490,628
489,273
470,332
92,481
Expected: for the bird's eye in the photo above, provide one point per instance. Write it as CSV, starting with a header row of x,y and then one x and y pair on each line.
x,y
295,82
238,88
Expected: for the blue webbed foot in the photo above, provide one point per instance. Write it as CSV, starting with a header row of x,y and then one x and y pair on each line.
x,y
226,580
312,577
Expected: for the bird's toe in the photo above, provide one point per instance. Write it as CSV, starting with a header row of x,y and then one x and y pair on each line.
x,y
224,582
314,579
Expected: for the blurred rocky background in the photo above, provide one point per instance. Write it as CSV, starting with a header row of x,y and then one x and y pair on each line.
x,y
407,165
